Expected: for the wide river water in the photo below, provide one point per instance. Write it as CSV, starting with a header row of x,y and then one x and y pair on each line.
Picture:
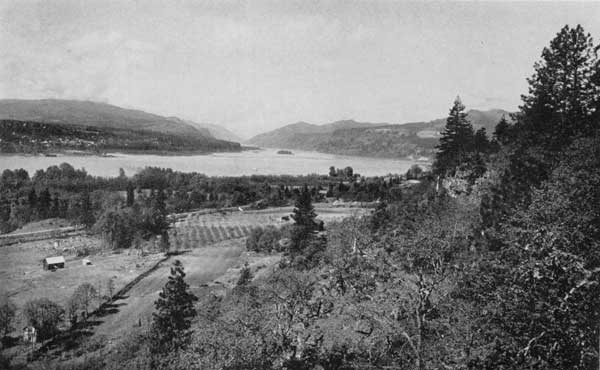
x,y
265,162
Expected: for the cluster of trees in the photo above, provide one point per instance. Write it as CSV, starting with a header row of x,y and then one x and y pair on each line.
x,y
266,239
461,149
347,172
537,273
302,243
60,191
65,192
130,223
7,315
40,137
48,317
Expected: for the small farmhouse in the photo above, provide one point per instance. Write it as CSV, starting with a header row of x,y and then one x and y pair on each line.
x,y
51,263
29,334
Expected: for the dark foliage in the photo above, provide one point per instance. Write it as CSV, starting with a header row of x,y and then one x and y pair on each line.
x,y
174,311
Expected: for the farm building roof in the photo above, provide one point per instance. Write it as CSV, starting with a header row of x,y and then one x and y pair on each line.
x,y
53,260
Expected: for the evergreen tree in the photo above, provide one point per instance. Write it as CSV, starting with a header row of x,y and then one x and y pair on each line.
x,y
4,215
502,132
562,92
44,204
158,223
305,246
32,199
456,142
380,217
304,212
559,108
481,144
174,312
130,194
55,208
86,217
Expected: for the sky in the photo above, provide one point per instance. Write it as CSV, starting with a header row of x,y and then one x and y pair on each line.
x,y
257,65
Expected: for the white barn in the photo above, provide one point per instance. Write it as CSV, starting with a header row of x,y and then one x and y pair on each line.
x,y
51,263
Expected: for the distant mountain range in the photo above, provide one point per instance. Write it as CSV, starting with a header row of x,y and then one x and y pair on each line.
x,y
218,132
117,128
348,137
110,119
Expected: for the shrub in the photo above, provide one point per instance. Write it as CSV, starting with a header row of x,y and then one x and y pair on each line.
x,y
264,240
44,315
7,315
253,238
414,172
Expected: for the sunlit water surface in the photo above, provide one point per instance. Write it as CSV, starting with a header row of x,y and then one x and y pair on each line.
x,y
265,162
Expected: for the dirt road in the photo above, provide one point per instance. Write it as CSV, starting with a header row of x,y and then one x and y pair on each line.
x,y
201,265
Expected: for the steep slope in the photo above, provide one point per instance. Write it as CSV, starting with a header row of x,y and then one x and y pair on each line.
x,y
53,124
39,137
415,139
86,113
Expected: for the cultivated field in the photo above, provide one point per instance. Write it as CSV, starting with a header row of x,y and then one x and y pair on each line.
x,y
194,230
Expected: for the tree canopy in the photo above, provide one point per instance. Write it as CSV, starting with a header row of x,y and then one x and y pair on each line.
x,y
174,312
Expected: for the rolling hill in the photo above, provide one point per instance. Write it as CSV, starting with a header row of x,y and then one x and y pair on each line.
x,y
148,130
303,135
86,113
417,139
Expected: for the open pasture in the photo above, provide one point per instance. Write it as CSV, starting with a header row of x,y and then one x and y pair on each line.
x,y
23,277
199,229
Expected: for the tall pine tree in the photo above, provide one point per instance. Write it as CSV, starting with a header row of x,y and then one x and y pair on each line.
x,y
562,92
304,212
502,133
560,107
130,194
44,203
174,312
456,142
306,246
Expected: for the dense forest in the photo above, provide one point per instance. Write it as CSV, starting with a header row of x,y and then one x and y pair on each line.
x,y
39,137
492,261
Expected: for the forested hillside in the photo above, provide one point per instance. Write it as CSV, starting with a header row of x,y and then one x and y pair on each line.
x,y
370,139
39,137
113,127
86,113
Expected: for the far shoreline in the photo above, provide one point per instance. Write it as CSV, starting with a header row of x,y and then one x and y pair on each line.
x,y
188,153
112,153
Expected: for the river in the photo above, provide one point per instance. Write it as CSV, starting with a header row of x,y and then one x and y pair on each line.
x,y
264,162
